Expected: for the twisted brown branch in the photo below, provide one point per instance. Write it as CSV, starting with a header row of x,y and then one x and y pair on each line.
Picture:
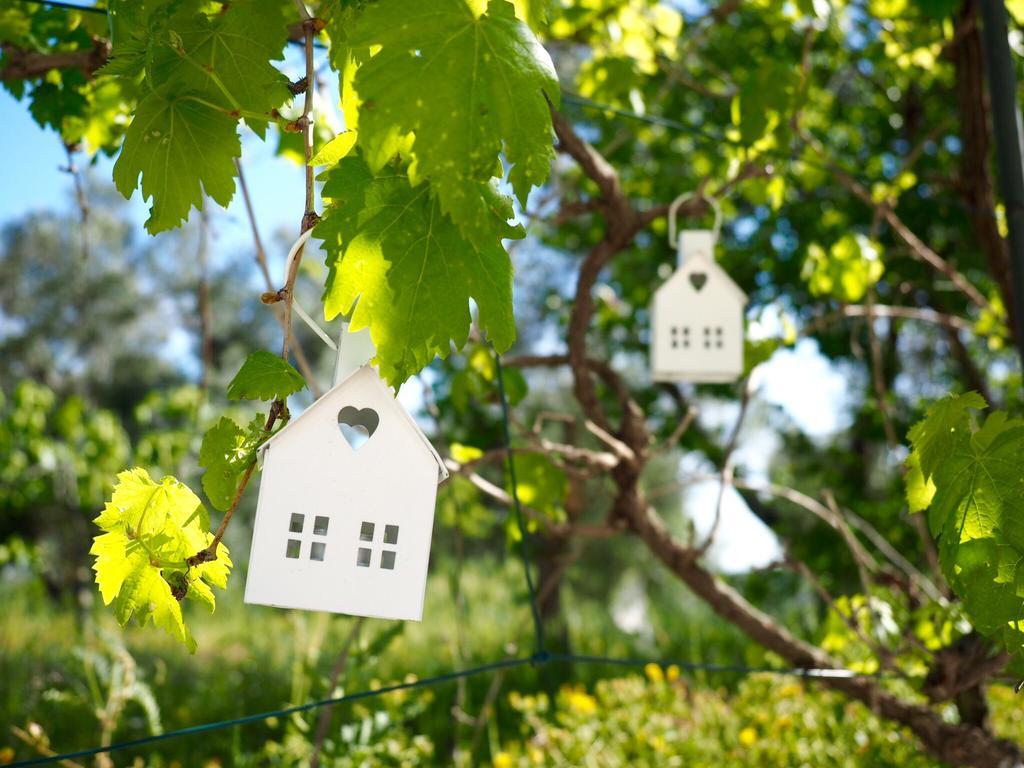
x,y
961,744
21,64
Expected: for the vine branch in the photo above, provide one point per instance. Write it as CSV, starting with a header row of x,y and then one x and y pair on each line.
x,y
22,64
279,408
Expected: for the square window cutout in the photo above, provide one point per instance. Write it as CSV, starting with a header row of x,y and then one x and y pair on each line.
x,y
387,560
390,534
295,526
294,547
316,552
363,557
366,532
320,525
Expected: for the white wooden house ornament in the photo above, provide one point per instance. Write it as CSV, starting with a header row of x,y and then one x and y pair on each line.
x,y
346,502
697,315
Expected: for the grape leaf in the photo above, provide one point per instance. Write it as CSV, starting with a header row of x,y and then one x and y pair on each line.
x,y
976,511
150,529
265,376
202,72
230,55
341,17
947,421
534,12
182,149
226,453
53,102
470,87
390,246
333,151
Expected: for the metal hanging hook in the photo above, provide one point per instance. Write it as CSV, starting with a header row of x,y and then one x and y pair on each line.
x,y
673,210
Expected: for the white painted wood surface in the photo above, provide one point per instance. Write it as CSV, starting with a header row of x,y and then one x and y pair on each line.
x,y
697,318
388,483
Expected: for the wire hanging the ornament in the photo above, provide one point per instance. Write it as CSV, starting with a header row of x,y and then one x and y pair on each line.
x,y
346,505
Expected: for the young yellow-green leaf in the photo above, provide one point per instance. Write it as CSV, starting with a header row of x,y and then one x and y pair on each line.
x,y
334,150
390,246
534,12
150,529
846,271
182,149
541,485
473,87
464,453
920,491
265,376
226,453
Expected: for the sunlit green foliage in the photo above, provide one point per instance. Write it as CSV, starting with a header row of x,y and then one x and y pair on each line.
x,y
227,452
470,87
201,73
265,376
846,270
663,720
412,271
53,449
975,508
150,530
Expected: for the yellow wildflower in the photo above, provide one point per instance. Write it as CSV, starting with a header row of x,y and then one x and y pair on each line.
x,y
503,760
654,673
789,690
672,673
748,737
580,701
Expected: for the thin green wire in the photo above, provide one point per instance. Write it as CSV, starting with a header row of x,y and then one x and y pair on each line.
x,y
540,653
246,719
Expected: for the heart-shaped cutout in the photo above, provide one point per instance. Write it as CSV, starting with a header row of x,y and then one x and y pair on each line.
x,y
357,425
698,279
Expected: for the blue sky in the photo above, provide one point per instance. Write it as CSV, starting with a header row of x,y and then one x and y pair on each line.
x,y
33,180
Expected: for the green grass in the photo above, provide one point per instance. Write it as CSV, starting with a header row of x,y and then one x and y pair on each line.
x,y
252,659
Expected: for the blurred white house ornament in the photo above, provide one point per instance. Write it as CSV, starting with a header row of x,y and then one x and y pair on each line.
x,y
697,314
346,502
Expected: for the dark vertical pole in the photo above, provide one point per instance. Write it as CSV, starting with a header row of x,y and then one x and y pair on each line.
x,y
1006,123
